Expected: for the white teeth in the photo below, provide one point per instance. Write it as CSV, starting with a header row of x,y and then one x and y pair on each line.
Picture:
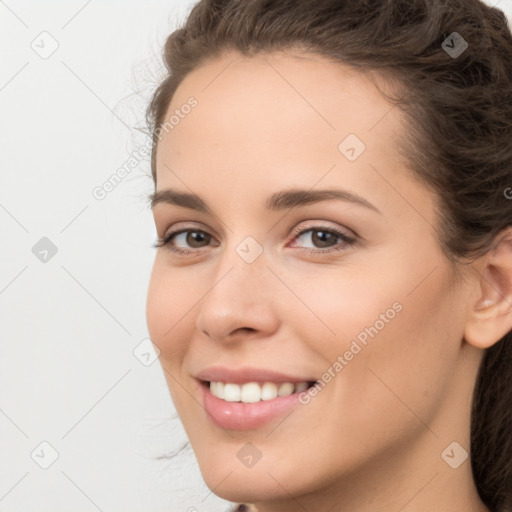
x,y
268,391
286,389
252,392
301,386
232,392
217,389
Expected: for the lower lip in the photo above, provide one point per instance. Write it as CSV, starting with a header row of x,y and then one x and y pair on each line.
x,y
242,416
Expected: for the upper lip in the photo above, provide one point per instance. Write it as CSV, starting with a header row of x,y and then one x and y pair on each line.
x,y
247,374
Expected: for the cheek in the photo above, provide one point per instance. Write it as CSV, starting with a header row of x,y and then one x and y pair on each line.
x,y
397,335
169,302
343,304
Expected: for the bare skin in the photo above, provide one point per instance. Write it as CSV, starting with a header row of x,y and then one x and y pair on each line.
x,y
373,438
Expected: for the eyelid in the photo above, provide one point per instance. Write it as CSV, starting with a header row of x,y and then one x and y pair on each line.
x,y
312,224
346,240
188,226
302,218
322,224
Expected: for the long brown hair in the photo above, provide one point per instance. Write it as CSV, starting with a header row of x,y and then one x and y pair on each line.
x,y
458,109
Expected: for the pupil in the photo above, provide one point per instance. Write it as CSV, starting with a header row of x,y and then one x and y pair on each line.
x,y
323,235
194,236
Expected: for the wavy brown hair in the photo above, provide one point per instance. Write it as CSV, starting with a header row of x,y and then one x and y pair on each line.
x,y
458,143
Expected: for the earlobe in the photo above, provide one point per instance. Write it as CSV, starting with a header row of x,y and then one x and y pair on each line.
x,y
490,317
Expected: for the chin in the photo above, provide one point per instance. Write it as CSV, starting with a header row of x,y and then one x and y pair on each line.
x,y
267,480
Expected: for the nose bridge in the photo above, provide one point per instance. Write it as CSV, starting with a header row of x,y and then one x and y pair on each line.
x,y
242,267
239,294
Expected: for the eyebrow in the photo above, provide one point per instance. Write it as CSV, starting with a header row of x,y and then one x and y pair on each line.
x,y
285,199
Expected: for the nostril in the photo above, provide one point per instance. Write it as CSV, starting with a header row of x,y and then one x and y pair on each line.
x,y
245,329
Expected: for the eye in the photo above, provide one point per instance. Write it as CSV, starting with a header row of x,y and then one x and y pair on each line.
x,y
194,237
326,240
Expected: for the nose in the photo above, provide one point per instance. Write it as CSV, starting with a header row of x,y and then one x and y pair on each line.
x,y
240,302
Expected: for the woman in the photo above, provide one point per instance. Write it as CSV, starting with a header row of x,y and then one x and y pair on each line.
x,y
332,289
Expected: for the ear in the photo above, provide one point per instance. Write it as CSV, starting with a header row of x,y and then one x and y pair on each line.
x,y
490,317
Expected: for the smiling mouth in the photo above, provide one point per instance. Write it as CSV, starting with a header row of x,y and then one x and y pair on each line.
x,y
252,392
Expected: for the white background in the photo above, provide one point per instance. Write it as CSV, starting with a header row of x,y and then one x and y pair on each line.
x,y
69,326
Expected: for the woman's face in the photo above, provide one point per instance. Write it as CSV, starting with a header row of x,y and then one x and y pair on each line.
x,y
374,314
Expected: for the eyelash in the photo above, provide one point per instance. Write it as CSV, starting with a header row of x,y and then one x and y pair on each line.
x,y
346,240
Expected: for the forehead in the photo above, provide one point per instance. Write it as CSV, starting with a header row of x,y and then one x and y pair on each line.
x,y
276,113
